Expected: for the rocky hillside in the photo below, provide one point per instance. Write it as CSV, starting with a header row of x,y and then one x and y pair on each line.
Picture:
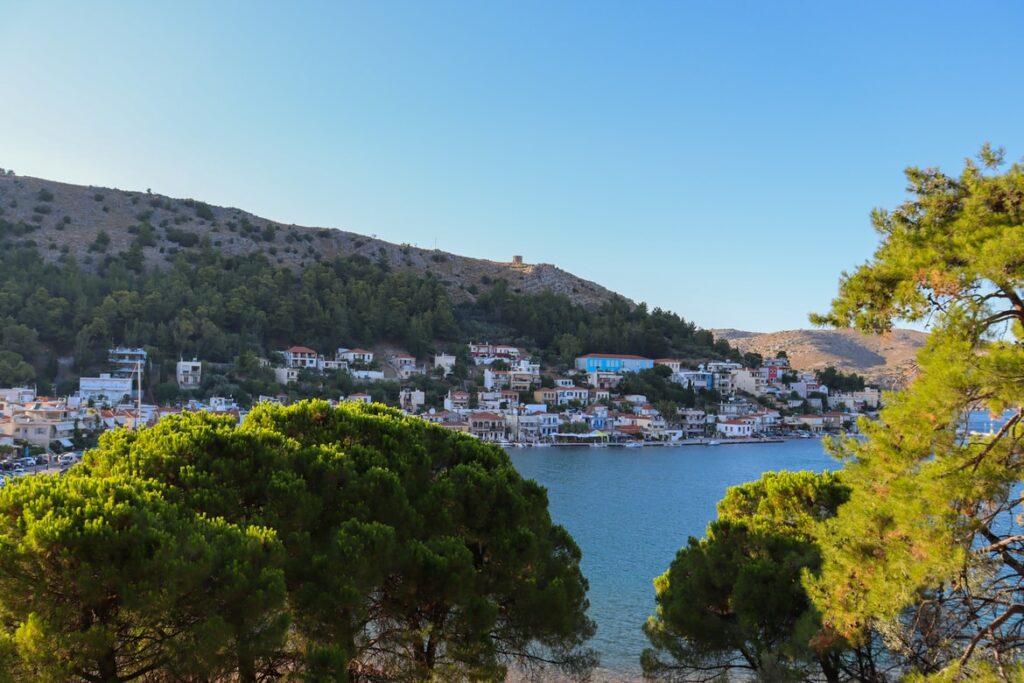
x,y
90,222
887,359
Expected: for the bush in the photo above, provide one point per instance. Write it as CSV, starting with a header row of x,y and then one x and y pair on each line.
x,y
182,237
101,242
203,211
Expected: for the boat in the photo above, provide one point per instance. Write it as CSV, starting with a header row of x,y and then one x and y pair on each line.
x,y
541,445
598,445
713,443
634,444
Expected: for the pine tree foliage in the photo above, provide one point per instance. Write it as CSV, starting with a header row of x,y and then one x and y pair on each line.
x,y
310,543
929,548
733,600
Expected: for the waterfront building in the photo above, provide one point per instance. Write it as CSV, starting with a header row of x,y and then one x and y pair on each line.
x,y
734,428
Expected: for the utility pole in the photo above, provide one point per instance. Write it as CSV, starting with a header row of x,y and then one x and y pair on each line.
x,y
138,393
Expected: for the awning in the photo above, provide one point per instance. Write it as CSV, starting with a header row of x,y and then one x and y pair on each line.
x,y
67,443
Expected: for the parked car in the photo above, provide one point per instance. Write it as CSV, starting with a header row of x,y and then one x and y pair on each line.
x,y
67,459
19,472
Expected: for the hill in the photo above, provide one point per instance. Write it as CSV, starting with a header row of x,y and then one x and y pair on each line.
x,y
887,359
70,218
84,269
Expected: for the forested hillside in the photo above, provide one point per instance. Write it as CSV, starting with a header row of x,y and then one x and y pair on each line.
x,y
216,306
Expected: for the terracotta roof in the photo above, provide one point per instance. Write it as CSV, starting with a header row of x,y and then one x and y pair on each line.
x,y
300,349
486,416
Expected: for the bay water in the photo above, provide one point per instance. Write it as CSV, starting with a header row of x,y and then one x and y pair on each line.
x,y
630,510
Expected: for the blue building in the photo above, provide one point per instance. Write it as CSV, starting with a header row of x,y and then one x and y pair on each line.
x,y
613,362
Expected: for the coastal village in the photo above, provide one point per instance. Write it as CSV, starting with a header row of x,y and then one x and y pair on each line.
x,y
495,392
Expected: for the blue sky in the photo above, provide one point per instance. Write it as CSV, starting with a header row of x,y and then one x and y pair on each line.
x,y
715,159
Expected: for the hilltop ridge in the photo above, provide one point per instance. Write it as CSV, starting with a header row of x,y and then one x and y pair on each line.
x,y
66,218
887,359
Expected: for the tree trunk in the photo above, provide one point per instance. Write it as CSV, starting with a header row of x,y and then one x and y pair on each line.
x,y
107,667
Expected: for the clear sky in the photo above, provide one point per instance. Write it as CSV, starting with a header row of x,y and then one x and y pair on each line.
x,y
716,159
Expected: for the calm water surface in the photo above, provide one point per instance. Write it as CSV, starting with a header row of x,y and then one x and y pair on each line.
x,y
630,510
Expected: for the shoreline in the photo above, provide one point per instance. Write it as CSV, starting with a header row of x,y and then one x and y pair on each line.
x,y
703,441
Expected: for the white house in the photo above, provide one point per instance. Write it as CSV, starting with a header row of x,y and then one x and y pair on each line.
x,y
456,400
355,355
189,374
411,400
300,357
368,375
286,375
222,404
734,428
404,365
332,364
751,381
106,388
446,361
565,395
485,353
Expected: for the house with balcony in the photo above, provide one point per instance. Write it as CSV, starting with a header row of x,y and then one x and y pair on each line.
x,y
699,380
544,395
404,365
487,426
603,380
597,417
411,400
189,374
456,400
566,395
41,422
124,360
485,353
355,355
106,388
300,357
753,382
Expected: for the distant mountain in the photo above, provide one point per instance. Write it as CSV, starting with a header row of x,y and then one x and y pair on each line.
x,y
887,359
70,218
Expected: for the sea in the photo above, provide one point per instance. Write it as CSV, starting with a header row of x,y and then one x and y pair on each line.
x,y
630,510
